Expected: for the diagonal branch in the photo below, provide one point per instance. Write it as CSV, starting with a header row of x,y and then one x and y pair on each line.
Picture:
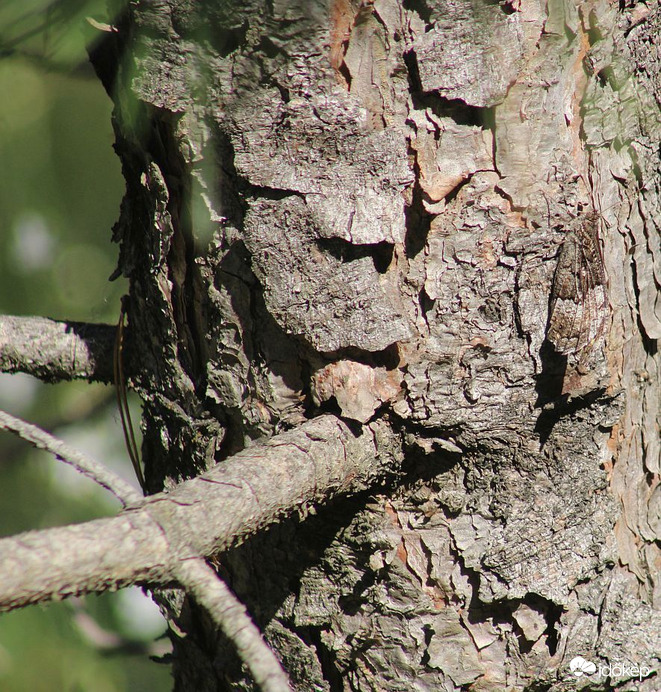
x,y
55,351
287,474
89,467
229,614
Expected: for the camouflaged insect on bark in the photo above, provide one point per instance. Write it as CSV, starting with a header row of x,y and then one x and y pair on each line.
x,y
579,300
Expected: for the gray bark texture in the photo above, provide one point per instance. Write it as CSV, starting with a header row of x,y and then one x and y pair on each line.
x,y
55,351
356,208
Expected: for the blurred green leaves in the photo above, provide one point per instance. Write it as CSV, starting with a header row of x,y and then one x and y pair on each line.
x,y
60,186
60,191
50,31
60,181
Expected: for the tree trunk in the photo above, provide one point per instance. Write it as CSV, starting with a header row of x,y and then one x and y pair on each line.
x,y
358,208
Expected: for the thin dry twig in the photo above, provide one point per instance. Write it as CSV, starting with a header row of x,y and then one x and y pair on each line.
x,y
122,401
84,464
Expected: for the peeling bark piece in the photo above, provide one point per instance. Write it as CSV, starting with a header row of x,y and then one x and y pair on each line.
x,y
451,650
373,63
448,153
323,150
359,389
330,303
473,53
532,622
647,259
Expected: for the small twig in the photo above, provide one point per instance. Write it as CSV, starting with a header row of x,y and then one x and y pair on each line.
x,y
89,467
228,613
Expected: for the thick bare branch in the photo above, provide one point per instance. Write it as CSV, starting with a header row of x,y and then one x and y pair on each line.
x,y
54,351
208,514
231,617
89,467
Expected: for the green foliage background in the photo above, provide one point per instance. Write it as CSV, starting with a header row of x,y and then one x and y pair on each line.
x,y
60,189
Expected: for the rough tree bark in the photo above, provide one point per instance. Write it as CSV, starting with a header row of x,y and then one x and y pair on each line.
x,y
355,208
